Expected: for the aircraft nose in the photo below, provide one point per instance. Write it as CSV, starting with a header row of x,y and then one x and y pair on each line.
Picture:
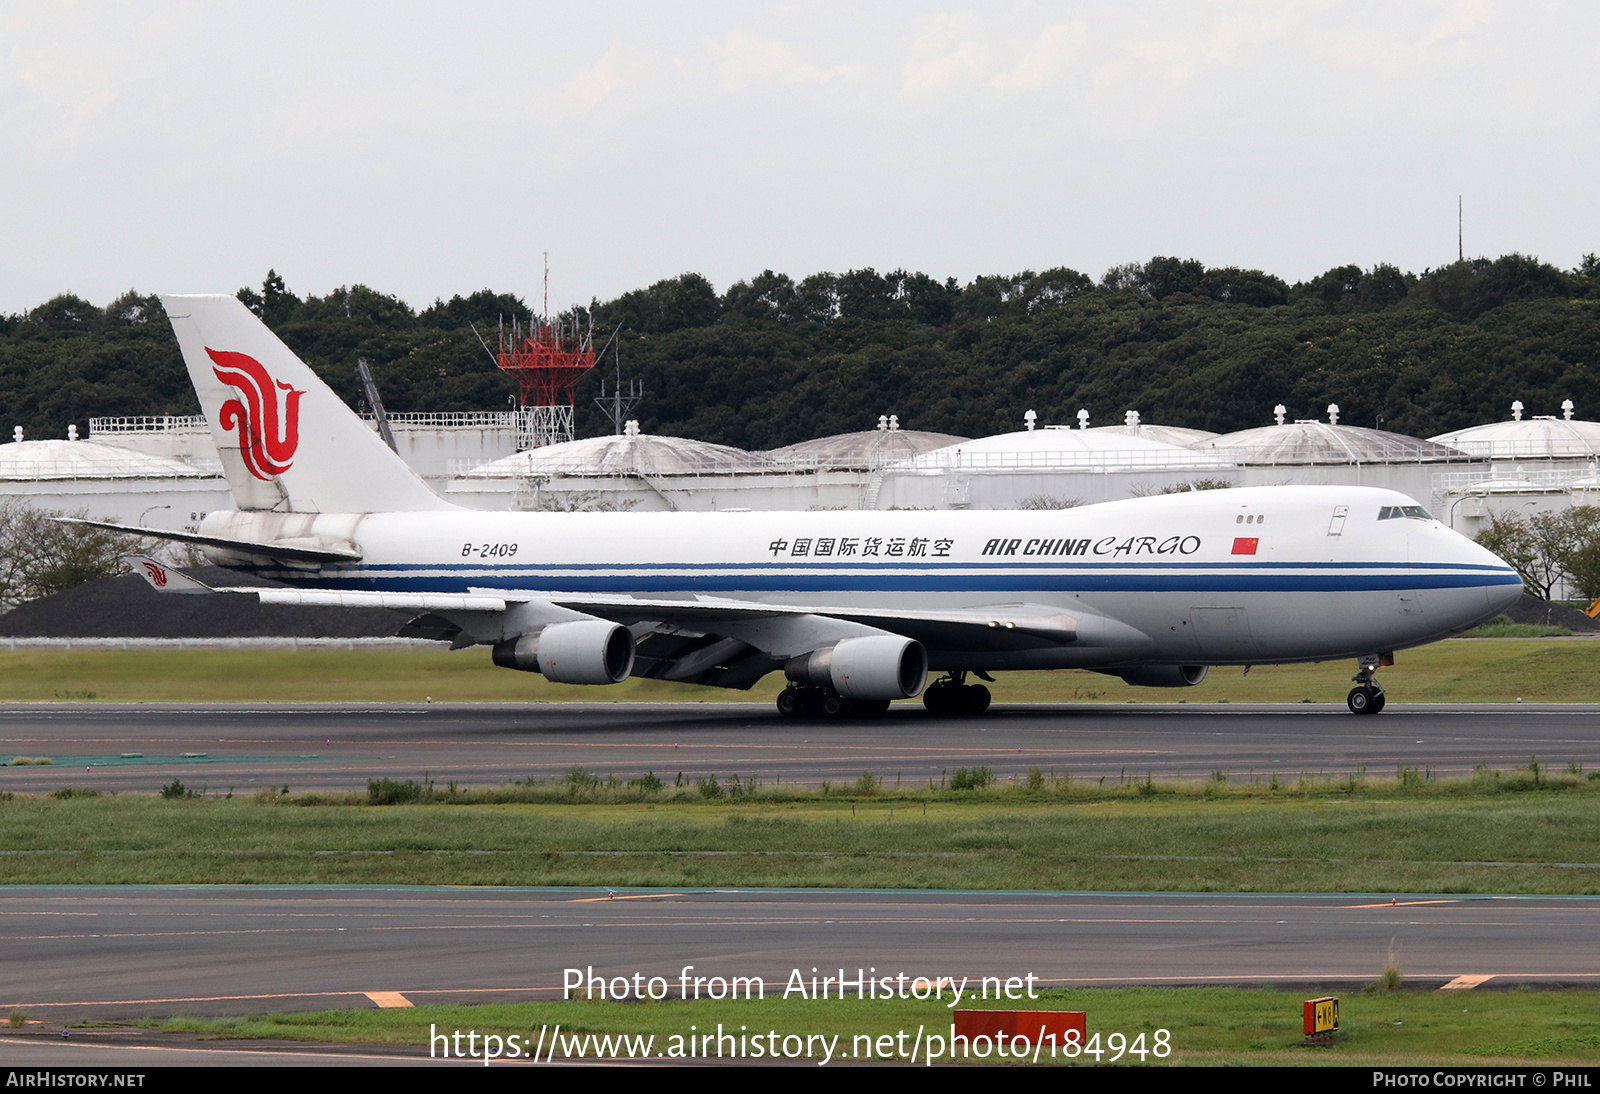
x,y
1502,597
1505,585
1502,585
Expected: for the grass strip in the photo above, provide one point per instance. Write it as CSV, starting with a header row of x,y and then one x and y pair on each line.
x,y
1502,627
1535,670
1379,837
1207,1026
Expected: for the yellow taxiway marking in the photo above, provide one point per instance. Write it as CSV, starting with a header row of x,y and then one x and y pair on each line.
x,y
614,896
388,999
1465,983
1400,903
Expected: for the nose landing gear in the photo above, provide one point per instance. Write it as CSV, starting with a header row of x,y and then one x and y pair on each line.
x,y
1367,696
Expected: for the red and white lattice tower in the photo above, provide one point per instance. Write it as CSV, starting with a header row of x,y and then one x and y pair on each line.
x,y
547,360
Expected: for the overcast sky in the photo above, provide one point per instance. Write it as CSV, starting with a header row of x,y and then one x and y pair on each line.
x,y
431,149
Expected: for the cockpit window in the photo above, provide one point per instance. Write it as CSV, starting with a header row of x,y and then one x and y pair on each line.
x,y
1404,512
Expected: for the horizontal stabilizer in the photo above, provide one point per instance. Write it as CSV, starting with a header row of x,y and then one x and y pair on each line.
x,y
290,552
163,578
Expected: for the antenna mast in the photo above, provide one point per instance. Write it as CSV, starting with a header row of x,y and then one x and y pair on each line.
x,y
618,405
547,367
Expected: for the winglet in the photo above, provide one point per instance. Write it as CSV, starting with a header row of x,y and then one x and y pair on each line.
x,y
165,579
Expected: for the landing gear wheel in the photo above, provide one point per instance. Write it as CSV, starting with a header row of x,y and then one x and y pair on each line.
x,y
1365,700
801,701
950,696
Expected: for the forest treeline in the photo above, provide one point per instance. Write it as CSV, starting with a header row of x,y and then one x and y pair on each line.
x,y
772,360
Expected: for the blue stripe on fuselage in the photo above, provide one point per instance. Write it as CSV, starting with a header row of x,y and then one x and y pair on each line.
x,y
835,566
1097,579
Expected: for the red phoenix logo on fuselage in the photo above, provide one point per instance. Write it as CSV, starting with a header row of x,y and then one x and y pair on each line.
x,y
268,433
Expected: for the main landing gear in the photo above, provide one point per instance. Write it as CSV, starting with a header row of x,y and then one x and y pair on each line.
x,y
952,695
801,701
1367,696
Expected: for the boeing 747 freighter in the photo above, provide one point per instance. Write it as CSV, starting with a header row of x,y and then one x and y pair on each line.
x,y
855,608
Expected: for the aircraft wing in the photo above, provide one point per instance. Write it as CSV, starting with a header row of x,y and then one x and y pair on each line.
x,y
707,640
999,626
731,643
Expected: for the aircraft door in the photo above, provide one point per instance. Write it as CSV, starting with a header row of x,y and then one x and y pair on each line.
x,y
1336,525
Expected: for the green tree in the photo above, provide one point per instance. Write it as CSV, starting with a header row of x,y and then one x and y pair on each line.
x,y
277,302
40,556
769,296
1582,561
776,359
1232,285
1549,548
1164,276
1509,536
864,295
485,308
1468,289
687,300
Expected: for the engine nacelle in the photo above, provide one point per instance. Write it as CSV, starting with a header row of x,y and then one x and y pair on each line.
x,y
588,651
880,667
1164,676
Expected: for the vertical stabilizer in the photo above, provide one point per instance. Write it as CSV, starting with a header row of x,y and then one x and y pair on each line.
x,y
287,442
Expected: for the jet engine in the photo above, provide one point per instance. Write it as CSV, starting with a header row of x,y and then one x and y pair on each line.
x,y
880,667
589,651
1164,676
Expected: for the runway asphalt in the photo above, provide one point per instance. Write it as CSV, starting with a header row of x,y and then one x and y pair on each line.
x,y
139,748
119,952
114,953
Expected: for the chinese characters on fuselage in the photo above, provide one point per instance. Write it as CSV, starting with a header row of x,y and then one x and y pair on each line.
x,y
925,547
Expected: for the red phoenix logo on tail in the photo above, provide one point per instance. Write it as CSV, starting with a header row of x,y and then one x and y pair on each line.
x,y
158,576
268,433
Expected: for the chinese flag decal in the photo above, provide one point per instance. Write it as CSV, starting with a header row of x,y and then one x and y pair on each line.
x,y
1245,546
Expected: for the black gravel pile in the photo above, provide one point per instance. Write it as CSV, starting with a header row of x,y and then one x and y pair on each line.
x,y
127,607
1530,609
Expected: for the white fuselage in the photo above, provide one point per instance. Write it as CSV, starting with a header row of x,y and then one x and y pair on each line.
x,y
1239,576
